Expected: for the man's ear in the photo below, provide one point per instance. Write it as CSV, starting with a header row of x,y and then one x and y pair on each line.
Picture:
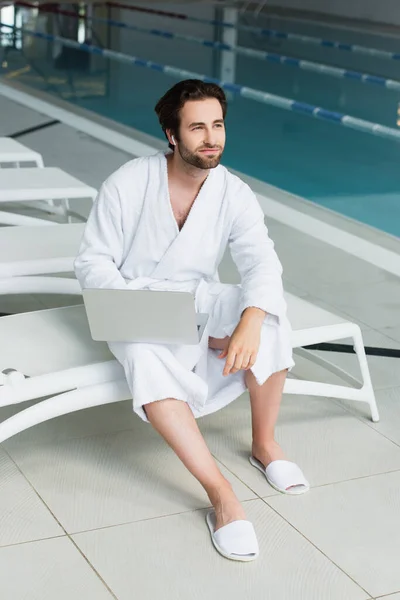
x,y
171,138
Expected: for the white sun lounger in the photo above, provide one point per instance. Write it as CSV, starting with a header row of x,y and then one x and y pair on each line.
x,y
40,188
16,154
38,251
78,373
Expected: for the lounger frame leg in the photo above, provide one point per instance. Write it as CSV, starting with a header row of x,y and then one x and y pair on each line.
x,y
361,391
367,383
62,404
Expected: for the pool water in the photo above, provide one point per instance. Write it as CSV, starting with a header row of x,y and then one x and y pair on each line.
x,y
353,173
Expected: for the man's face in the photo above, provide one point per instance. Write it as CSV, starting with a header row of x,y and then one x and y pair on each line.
x,y
202,133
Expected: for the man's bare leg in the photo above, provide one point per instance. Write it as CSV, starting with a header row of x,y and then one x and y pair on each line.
x,y
265,402
175,422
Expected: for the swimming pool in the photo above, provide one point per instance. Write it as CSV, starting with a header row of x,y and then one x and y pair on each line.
x,y
353,173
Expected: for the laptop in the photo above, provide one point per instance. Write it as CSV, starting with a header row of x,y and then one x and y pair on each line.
x,y
156,317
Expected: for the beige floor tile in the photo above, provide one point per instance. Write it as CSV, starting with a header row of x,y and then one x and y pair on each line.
x,y
47,570
327,442
356,524
113,478
23,515
388,402
174,558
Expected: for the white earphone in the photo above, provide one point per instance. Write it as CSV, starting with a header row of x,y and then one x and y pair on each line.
x,y
173,140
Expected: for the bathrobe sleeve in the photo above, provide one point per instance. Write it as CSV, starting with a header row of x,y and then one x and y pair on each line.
x,y
253,252
101,250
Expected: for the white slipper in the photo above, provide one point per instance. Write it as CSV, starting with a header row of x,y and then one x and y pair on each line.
x,y
236,541
284,476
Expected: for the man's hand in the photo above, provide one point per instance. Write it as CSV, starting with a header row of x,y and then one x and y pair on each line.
x,y
244,343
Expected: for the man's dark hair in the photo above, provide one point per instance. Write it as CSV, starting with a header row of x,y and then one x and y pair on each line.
x,y
169,106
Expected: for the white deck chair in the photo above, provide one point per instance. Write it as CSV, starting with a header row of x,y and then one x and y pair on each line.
x,y
13,153
37,252
78,373
40,188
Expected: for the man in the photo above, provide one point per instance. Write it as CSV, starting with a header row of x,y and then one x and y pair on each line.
x,y
163,222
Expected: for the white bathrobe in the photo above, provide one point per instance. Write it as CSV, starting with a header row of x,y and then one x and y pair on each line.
x,y
132,241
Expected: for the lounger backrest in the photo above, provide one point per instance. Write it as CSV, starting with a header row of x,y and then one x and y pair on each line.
x,y
34,243
46,341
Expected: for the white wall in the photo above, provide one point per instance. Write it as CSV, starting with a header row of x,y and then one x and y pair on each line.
x,y
384,11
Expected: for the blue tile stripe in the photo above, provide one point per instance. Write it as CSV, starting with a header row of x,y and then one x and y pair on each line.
x,y
241,90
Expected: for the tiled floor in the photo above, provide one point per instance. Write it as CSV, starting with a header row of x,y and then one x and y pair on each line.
x,y
95,506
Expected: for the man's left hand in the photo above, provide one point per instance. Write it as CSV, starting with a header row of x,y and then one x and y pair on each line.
x,y
245,342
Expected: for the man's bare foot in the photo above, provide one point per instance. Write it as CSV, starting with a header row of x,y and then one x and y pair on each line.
x,y
268,453
227,507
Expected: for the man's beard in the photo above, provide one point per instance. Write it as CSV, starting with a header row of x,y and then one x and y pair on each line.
x,y
198,161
